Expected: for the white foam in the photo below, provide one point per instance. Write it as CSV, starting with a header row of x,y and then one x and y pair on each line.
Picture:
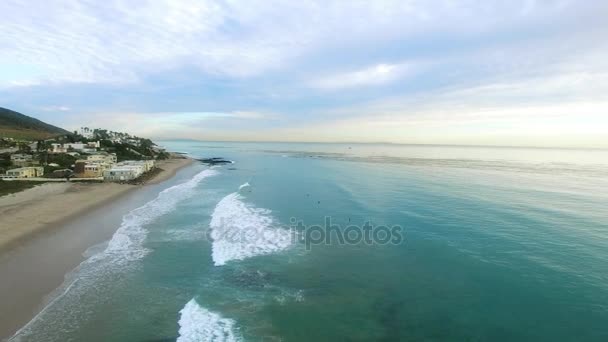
x,y
244,186
240,230
93,274
199,324
127,241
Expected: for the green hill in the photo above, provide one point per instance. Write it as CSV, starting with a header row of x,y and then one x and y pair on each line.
x,y
18,126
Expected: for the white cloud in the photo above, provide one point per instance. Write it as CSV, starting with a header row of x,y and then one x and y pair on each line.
x,y
493,64
120,41
56,108
375,75
169,124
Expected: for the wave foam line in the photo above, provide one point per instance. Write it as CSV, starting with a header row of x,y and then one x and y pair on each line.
x,y
240,230
128,239
199,324
126,245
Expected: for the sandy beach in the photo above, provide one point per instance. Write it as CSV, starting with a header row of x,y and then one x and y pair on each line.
x,y
30,211
42,238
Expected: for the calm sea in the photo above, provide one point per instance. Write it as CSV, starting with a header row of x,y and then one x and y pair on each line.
x,y
486,244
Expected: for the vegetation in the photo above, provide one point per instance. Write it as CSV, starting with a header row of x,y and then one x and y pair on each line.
x,y
65,161
18,126
7,143
11,187
5,162
125,151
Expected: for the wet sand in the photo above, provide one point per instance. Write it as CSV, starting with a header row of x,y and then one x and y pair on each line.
x,y
44,232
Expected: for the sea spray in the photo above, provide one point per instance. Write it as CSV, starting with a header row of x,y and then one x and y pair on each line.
x,y
240,230
199,324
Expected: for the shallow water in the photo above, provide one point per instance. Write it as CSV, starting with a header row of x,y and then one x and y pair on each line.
x,y
499,244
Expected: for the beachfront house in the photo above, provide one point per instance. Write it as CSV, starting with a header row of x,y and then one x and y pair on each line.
x,y
128,170
147,165
95,165
93,170
25,172
122,173
86,169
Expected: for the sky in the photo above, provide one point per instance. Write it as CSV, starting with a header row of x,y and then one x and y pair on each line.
x,y
509,73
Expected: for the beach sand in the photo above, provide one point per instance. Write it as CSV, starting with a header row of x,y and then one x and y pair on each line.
x,y
30,211
44,231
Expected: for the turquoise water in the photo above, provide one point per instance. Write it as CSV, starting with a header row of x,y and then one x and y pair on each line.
x,y
499,244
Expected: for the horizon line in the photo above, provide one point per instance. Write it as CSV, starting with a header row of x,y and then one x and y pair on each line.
x,y
387,143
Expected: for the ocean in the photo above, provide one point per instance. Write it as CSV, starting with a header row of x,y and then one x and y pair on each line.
x,y
352,242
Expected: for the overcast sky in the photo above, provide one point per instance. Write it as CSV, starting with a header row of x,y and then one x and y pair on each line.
x,y
444,72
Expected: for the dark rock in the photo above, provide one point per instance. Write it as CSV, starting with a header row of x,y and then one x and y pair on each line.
x,y
214,161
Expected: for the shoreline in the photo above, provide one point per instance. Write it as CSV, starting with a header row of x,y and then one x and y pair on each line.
x,y
57,203
45,230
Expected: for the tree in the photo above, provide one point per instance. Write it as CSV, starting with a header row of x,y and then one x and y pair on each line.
x,y
24,147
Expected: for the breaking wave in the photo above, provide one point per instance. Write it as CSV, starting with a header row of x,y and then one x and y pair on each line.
x,y
127,241
96,276
239,231
199,324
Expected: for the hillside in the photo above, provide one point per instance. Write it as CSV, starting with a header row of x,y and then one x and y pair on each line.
x,y
19,126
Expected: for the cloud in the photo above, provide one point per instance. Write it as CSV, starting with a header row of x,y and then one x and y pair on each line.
x,y
261,69
56,108
170,124
115,42
375,75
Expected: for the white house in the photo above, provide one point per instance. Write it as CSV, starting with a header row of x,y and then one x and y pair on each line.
x,y
58,148
87,132
21,159
146,164
90,147
128,170
122,173
109,158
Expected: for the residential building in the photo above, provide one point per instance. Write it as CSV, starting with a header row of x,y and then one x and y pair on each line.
x,y
93,170
86,169
58,148
95,165
109,158
146,164
90,147
25,172
87,132
93,144
122,173
128,170
21,159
